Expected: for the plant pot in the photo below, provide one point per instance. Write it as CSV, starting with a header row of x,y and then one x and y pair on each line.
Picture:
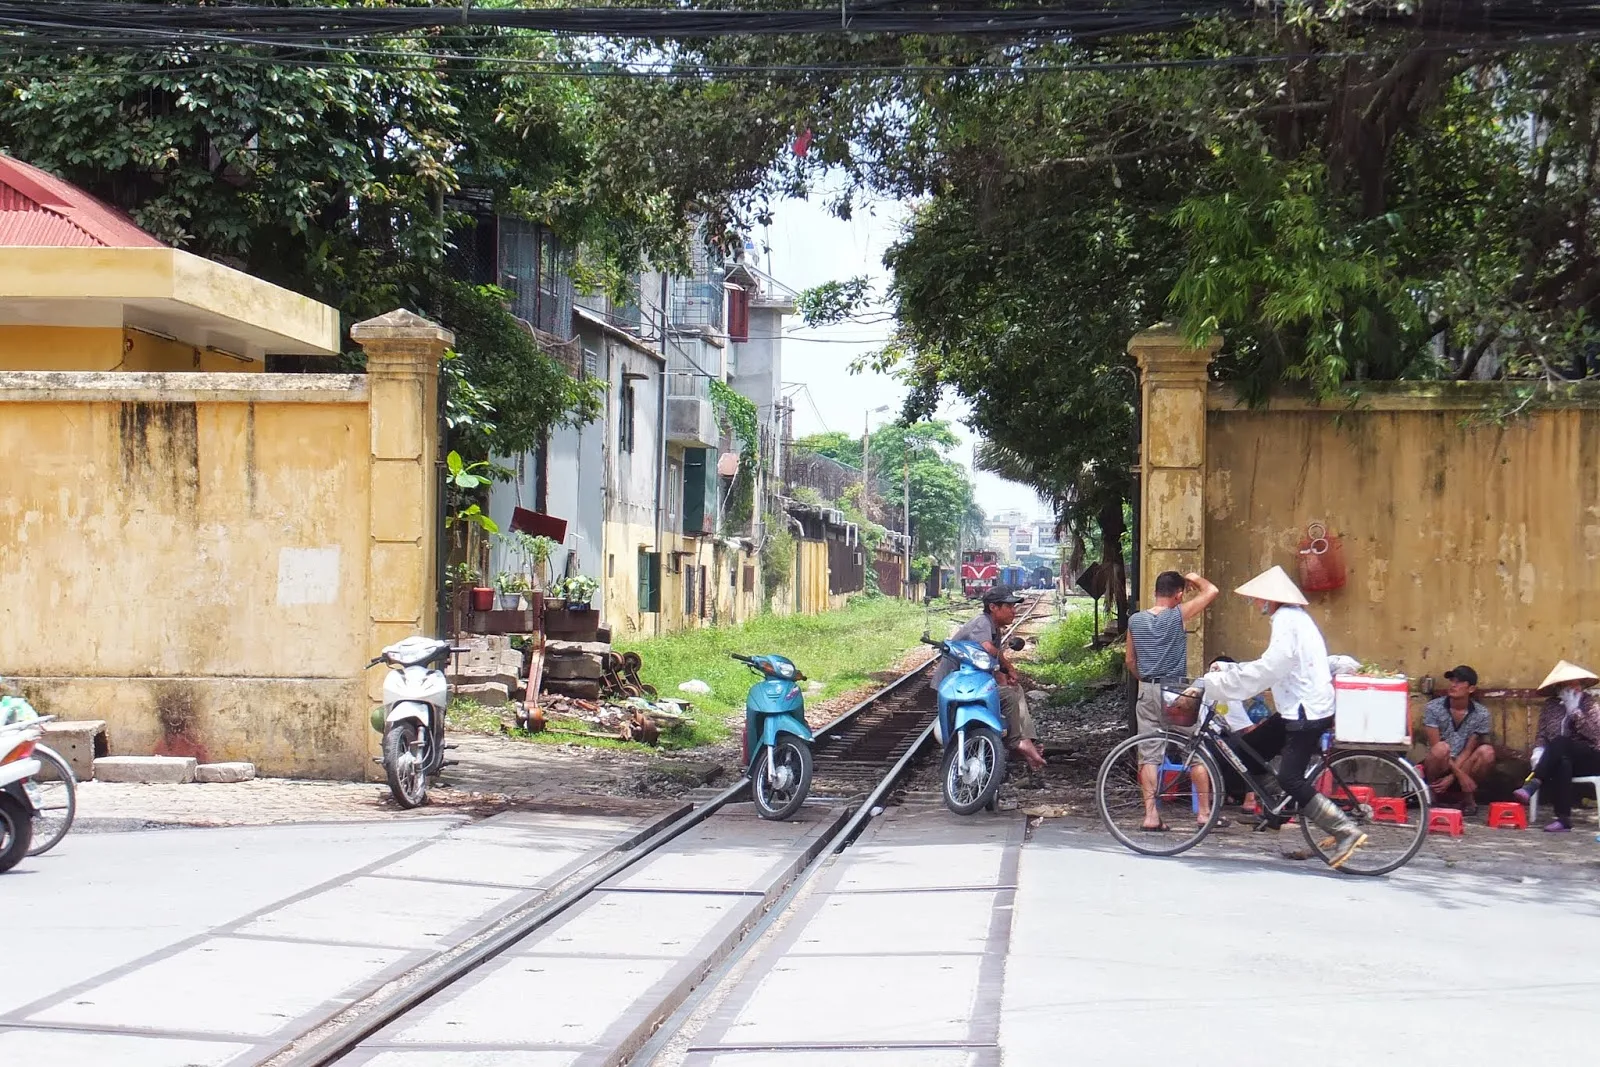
x,y
509,601
554,602
482,599
577,605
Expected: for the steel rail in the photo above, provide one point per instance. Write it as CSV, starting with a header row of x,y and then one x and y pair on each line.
x,y
346,1037
674,1023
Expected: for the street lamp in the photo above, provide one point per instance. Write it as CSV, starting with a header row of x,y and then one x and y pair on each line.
x,y
866,456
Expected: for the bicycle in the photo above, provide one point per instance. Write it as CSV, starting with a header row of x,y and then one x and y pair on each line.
x,y
1354,777
55,799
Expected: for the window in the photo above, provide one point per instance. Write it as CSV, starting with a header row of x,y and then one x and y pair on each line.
x,y
625,422
688,591
611,566
591,363
649,580
674,493
738,314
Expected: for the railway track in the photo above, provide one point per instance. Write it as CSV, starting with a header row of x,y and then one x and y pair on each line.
x,y
861,759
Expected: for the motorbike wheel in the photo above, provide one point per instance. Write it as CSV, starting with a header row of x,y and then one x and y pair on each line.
x,y
971,777
16,831
403,763
791,759
56,801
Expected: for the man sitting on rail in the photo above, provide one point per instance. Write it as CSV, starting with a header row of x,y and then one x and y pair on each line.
x,y
1000,611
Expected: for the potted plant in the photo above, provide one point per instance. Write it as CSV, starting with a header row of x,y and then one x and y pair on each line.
x,y
577,590
510,585
534,552
464,578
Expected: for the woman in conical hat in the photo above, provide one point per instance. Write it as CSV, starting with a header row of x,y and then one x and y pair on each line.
x,y
1567,744
1295,667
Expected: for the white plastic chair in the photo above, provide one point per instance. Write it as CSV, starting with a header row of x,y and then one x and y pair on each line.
x,y
1533,801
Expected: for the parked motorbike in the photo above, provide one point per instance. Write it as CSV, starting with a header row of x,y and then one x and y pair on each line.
x,y
970,726
777,741
411,719
17,765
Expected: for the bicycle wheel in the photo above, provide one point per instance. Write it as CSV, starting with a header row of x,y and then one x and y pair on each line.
x,y
55,796
1395,832
1119,794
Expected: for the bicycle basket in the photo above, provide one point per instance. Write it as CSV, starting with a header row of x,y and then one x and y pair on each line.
x,y
1180,709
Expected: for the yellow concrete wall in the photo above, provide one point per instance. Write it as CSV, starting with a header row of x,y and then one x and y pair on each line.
x,y
91,348
193,571
1465,541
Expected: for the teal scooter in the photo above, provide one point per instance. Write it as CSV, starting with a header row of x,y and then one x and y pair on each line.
x,y
777,741
970,727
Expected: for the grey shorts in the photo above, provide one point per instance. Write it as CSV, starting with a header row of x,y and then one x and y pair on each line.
x,y
1150,716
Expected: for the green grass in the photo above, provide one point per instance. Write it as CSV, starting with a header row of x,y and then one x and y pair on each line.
x,y
1065,660
840,649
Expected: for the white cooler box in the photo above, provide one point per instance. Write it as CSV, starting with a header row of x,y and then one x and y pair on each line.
x,y
1371,710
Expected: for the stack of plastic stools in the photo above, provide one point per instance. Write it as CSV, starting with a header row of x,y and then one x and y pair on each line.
x,y
1175,769
1447,819
1389,809
1508,815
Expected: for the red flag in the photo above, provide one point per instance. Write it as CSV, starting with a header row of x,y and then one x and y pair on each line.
x,y
802,144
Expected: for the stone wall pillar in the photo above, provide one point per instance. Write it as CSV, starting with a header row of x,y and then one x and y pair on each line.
x,y
403,356
1172,459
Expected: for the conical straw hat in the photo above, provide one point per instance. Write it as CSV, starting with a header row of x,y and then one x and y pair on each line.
x,y
1568,672
1273,585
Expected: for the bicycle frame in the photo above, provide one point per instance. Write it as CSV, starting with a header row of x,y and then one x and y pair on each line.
x,y
1218,739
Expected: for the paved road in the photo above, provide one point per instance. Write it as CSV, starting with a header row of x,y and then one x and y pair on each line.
x,y
934,942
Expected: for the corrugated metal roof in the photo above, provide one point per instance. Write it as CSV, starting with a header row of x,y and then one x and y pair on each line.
x,y
40,210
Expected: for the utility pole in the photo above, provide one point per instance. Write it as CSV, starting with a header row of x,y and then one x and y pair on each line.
x,y
866,464
906,508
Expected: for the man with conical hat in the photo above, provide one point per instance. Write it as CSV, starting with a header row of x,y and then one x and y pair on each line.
x,y
1295,668
1567,743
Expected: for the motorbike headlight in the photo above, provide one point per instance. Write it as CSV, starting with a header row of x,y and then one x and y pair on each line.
x,y
786,671
983,661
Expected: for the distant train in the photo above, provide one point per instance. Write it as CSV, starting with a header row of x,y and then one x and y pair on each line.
x,y
979,572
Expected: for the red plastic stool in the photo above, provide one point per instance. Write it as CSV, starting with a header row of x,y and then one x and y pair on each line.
x,y
1447,819
1389,809
1362,794
1506,814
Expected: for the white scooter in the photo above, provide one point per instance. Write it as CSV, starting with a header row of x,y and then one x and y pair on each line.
x,y
411,720
17,765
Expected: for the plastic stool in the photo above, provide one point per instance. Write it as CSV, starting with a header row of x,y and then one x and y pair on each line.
x,y
1503,814
1389,809
1168,767
1447,819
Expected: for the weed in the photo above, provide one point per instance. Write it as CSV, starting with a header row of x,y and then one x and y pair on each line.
x,y
1066,660
467,714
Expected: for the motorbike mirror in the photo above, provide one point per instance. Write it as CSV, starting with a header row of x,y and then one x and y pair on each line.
x,y
1016,644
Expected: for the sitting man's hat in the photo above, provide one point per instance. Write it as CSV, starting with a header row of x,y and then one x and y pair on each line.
x,y
1462,673
1568,672
1275,586
1001,594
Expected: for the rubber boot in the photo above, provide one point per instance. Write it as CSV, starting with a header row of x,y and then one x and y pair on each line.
x,y
1347,836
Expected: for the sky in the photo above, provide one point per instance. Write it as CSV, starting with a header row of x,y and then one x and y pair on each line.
x,y
810,246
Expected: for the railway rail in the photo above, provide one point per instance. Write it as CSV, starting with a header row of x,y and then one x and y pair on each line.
x,y
862,757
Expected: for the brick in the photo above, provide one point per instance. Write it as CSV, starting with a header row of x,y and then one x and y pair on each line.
x,y
224,772
574,648
163,770
568,667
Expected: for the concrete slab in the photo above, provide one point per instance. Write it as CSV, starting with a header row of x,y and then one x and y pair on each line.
x,y
487,862
1109,948
164,770
228,986
224,773
458,1058
66,1048
670,925
883,924
531,1000
870,1000
916,1057
384,911
686,869
901,866
75,742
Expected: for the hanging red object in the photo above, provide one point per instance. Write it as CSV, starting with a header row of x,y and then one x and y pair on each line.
x,y
1321,560
802,143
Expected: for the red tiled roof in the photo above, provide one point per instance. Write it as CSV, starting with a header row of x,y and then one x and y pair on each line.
x,y
41,210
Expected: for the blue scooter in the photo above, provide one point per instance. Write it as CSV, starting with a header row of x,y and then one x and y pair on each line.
x,y
777,741
970,726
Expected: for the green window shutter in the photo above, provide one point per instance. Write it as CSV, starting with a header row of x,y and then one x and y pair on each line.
x,y
649,581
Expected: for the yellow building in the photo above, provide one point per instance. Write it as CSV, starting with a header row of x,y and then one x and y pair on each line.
x,y
201,553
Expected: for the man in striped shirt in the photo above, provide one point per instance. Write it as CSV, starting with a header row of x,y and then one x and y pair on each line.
x,y
1158,653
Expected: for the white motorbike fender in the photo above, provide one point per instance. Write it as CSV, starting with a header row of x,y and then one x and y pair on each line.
x,y
408,709
17,771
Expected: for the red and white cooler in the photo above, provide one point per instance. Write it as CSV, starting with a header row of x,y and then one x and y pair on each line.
x,y
1372,711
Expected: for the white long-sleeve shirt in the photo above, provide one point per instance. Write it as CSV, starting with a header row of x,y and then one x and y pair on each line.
x,y
1294,667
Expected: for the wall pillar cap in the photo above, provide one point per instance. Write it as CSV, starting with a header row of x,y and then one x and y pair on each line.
x,y
400,325
1164,346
